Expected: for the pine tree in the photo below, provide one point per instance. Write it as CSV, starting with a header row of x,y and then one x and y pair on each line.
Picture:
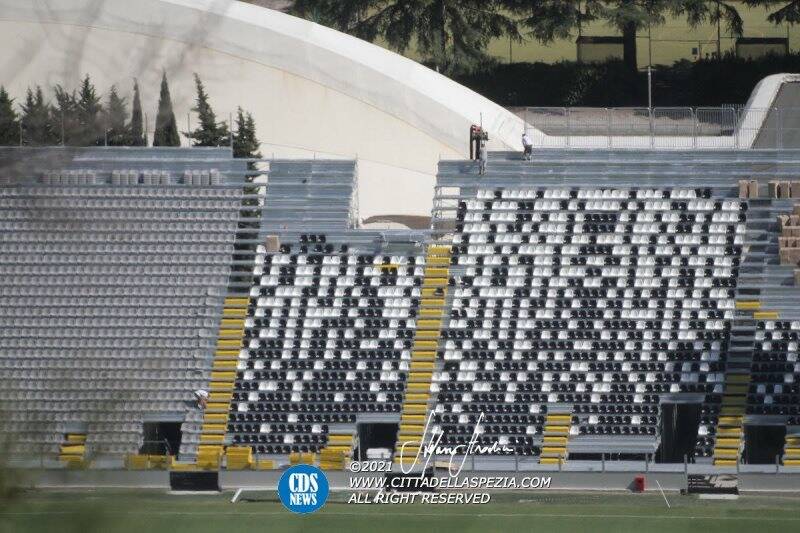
x,y
9,125
118,132
166,133
65,117
90,115
38,126
245,142
209,132
136,129
451,33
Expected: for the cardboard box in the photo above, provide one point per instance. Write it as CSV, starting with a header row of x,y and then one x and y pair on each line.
x,y
753,193
272,244
743,189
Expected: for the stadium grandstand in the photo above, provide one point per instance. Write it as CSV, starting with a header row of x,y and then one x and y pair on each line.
x,y
589,306
617,310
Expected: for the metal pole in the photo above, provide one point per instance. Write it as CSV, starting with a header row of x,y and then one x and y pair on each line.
x,y
568,113
650,88
719,39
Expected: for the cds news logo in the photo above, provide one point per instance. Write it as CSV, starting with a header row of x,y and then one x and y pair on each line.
x,y
303,489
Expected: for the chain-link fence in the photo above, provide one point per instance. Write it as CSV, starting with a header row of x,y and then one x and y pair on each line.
x,y
710,128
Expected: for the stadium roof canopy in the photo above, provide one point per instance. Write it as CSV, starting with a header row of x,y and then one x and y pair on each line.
x,y
312,90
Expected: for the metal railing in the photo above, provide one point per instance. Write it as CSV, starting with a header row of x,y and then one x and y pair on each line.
x,y
710,128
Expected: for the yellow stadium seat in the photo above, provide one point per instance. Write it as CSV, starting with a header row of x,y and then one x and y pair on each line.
x,y
136,462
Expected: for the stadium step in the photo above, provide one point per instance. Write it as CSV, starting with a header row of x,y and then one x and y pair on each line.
x,y
239,458
221,385
423,356
791,449
338,451
556,435
729,430
73,450
137,461
730,440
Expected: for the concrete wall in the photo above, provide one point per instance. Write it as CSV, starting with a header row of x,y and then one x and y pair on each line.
x,y
312,90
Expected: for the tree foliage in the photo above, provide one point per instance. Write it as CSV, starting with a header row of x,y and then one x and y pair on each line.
x,y
166,132
37,122
136,128
209,132
91,127
117,131
449,33
9,122
65,116
781,11
245,142
78,117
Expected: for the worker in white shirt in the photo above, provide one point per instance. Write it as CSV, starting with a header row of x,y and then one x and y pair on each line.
x,y
527,146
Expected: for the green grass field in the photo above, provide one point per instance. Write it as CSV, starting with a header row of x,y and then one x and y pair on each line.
x,y
158,511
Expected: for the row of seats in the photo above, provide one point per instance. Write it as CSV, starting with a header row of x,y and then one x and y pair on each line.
x,y
318,356
599,299
775,372
110,298
120,190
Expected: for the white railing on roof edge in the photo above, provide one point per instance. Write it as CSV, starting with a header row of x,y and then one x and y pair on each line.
x,y
662,127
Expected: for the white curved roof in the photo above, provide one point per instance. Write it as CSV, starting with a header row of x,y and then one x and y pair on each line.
x,y
311,89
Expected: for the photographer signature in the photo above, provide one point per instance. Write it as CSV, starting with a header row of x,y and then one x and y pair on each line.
x,y
426,451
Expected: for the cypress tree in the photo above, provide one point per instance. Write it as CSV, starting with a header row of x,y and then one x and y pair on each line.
x,y
136,131
90,115
166,133
9,124
245,142
209,132
118,132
